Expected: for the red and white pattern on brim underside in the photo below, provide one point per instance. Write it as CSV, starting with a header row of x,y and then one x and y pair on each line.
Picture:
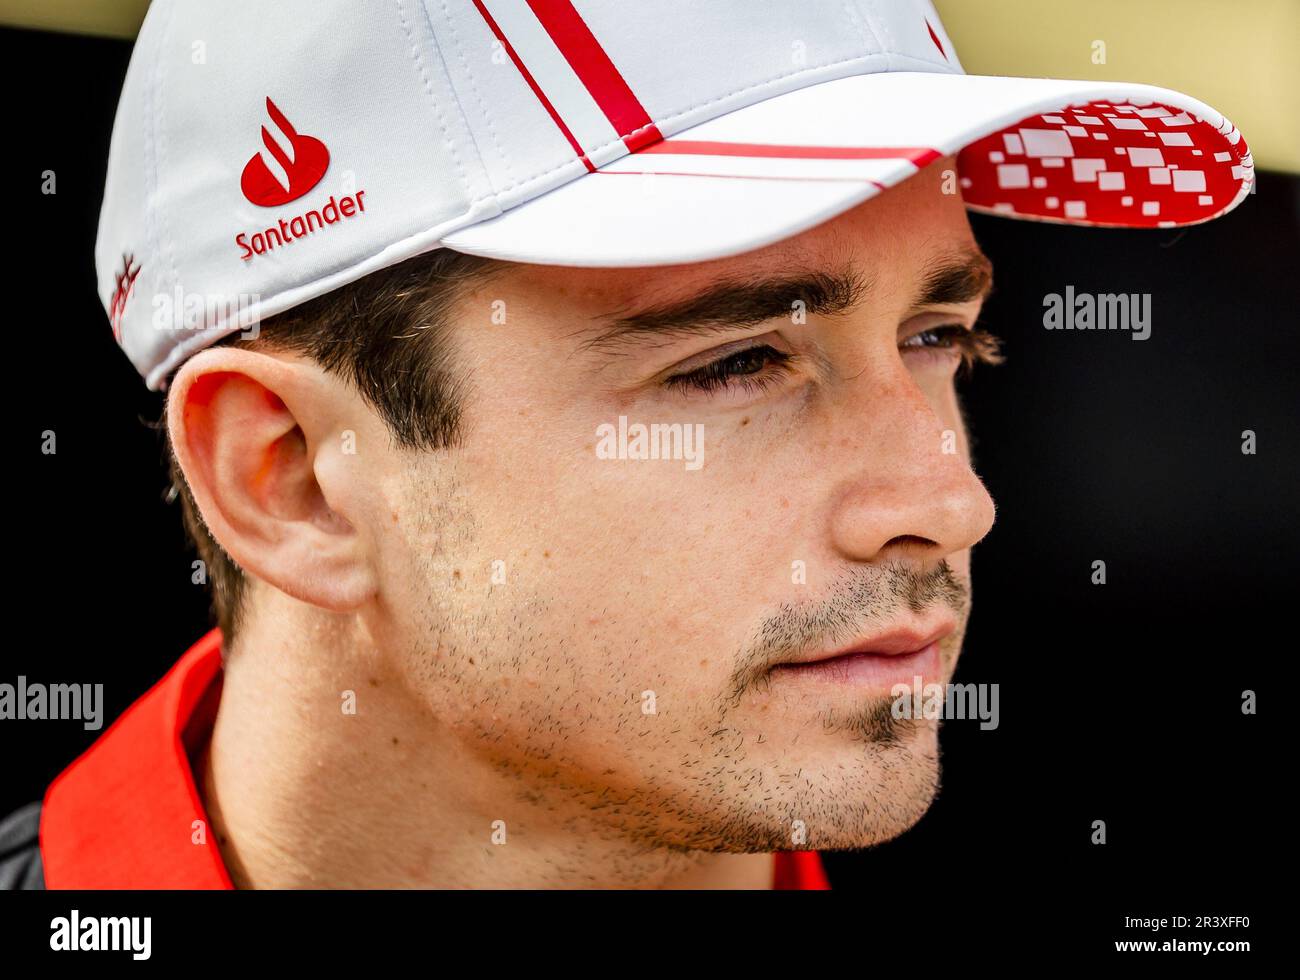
x,y
1099,163
1108,164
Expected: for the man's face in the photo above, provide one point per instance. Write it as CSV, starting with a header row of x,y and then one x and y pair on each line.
x,y
612,638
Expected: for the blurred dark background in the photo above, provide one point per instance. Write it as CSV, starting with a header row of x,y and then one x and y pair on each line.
x,y
1119,702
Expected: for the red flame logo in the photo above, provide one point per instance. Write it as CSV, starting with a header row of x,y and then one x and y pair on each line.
x,y
304,165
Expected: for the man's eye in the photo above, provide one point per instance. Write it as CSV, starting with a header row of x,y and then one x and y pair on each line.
x,y
753,368
976,346
943,337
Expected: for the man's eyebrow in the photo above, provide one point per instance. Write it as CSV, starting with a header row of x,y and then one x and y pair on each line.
x,y
955,280
730,303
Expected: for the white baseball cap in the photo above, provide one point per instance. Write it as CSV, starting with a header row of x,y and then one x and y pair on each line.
x,y
266,153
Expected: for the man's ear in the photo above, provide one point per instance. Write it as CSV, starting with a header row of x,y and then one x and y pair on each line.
x,y
259,438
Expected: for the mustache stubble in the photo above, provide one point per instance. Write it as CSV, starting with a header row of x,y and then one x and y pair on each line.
x,y
859,600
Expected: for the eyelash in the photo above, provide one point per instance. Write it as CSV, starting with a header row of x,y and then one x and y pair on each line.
x,y
719,374
977,346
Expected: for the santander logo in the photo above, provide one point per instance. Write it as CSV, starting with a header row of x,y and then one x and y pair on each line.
x,y
302,166
296,165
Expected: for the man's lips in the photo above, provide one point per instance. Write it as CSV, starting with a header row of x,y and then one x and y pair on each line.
x,y
896,657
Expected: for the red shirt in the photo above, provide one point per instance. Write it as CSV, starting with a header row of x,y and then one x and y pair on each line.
x,y
126,814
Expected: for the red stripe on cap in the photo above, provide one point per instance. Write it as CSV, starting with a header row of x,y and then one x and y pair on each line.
x,y
935,38
692,173
918,155
532,83
595,70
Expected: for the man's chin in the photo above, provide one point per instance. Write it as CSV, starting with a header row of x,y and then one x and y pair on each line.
x,y
838,796
878,827
874,800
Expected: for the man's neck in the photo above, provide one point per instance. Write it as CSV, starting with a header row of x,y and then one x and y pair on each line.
x,y
325,771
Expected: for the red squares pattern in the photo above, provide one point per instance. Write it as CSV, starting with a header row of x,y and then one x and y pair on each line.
x,y
1108,163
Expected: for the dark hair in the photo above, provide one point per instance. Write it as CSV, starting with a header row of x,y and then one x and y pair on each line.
x,y
386,335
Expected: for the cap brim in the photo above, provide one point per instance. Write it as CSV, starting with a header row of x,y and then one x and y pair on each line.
x,y
1089,153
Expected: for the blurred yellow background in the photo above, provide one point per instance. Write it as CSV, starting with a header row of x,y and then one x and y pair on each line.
x,y
1236,55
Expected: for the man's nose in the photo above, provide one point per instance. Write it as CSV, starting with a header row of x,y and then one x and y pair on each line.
x,y
909,490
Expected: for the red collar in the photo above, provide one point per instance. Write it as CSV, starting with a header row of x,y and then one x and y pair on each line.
x,y
800,871
124,814
127,814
